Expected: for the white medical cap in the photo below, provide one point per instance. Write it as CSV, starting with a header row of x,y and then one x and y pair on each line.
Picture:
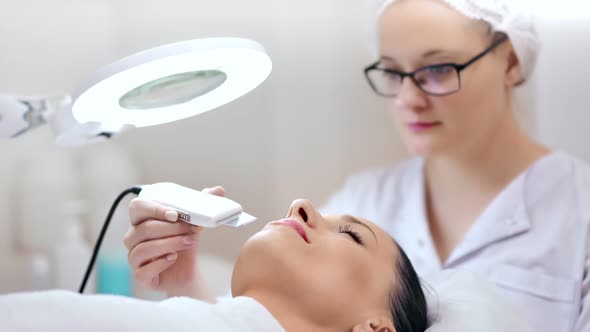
x,y
508,16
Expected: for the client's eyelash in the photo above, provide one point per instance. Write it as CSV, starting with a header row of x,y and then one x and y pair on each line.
x,y
354,235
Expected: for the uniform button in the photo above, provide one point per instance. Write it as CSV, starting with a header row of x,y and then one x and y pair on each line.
x,y
421,243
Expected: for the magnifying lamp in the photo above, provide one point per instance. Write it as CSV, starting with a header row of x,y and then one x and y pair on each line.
x,y
156,86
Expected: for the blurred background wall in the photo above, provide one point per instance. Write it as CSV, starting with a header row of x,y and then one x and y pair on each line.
x,y
312,123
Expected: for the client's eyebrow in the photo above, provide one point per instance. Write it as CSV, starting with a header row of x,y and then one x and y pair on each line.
x,y
354,220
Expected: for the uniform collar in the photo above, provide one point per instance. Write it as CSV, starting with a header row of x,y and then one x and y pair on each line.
x,y
505,217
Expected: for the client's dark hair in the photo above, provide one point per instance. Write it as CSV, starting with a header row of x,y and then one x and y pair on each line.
x,y
407,303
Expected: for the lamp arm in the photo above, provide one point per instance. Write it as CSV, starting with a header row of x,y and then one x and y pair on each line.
x,y
19,115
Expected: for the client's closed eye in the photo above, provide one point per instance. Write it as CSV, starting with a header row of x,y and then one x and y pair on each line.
x,y
347,229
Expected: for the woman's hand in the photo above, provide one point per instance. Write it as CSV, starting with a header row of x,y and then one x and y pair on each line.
x,y
163,250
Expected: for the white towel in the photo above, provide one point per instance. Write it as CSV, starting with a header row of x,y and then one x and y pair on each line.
x,y
67,311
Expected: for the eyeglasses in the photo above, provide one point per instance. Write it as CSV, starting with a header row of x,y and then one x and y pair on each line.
x,y
436,80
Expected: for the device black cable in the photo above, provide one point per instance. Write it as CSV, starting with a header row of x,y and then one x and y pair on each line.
x,y
135,190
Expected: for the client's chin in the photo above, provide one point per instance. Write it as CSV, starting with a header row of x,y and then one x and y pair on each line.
x,y
271,259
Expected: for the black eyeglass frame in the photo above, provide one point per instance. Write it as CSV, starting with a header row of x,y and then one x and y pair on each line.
x,y
458,69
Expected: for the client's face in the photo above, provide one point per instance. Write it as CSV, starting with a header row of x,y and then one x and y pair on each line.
x,y
337,270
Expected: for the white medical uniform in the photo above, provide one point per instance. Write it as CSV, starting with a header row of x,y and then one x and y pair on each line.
x,y
67,311
532,241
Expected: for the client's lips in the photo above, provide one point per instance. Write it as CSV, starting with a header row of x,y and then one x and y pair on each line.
x,y
295,225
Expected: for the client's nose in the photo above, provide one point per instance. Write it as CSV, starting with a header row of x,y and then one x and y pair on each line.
x,y
303,210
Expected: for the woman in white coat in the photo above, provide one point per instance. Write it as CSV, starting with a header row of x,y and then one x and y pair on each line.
x,y
480,193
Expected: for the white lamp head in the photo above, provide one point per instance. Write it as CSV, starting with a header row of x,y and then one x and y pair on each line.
x,y
156,86
172,82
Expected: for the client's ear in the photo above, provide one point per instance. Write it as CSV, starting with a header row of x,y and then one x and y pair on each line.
x,y
378,324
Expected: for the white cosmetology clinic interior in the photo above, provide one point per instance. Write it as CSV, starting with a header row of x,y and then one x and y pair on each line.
x,y
300,133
